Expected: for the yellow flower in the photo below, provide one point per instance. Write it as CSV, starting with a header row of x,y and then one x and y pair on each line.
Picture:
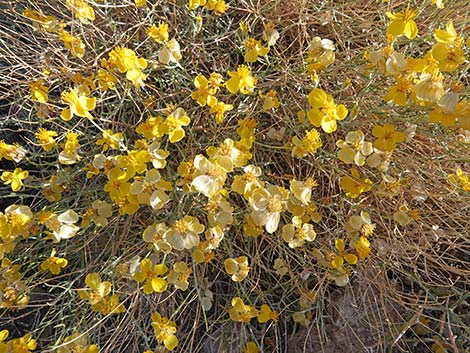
x,y
15,178
77,342
79,104
237,268
46,138
459,179
23,344
398,92
241,80
99,213
266,314
194,4
448,56
96,290
170,53
362,246
81,9
205,92
355,185
172,126
254,49
338,259
219,109
160,33
240,312
309,144
54,264
140,3
324,112
151,275
387,137
127,61
39,91
402,24
218,6
164,330
74,44
245,184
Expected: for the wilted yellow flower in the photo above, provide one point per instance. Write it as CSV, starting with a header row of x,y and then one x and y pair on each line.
x,y
270,34
238,268
354,149
69,155
266,314
270,100
81,9
240,312
184,234
297,233
39,91
62,226
46,138
179,275
41,21
320,55
170,53
72,43
110,139
77,342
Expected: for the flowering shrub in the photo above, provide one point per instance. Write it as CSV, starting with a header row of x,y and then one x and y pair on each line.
x,y
175,171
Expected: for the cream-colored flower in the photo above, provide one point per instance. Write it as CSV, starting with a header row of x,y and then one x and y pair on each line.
x,y
267,205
